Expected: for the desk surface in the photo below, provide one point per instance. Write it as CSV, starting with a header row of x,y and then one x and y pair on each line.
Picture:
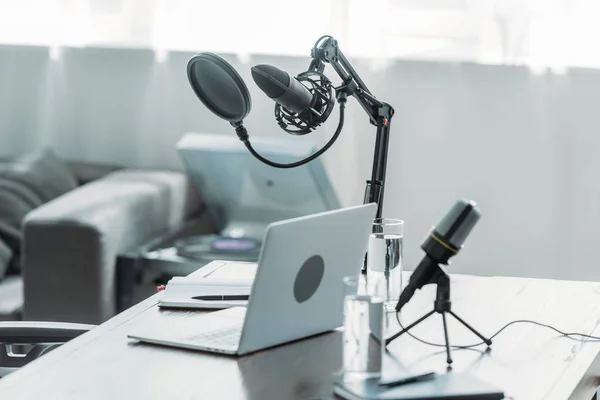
x,y
526,361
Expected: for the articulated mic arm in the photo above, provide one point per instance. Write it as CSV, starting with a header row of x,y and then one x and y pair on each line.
x,y
380,113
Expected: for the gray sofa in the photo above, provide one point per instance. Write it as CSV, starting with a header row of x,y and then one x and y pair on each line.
x,y
70,243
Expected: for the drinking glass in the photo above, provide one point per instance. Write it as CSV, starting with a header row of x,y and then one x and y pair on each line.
x,y
363,337
384,259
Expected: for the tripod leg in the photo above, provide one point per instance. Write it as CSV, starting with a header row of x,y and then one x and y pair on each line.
x,y
448,358
485,340
408,327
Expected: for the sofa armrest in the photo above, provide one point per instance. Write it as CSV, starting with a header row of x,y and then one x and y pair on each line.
x,y
71,243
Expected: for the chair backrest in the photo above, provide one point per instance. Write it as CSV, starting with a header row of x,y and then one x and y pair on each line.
x,y
25,341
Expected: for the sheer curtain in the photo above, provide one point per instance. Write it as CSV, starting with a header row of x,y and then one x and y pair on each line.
x,y
524,145
538,32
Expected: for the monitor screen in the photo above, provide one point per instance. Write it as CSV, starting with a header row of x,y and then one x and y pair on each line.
x,y
242,193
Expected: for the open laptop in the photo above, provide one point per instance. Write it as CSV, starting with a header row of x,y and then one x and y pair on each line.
x,y
297,291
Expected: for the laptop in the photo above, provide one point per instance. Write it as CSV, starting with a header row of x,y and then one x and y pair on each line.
x,y
297,290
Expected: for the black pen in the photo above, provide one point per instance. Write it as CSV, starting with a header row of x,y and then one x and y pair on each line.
x,y
408,379
222,297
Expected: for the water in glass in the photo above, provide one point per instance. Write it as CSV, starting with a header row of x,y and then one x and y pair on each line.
x,y
384,262
363,337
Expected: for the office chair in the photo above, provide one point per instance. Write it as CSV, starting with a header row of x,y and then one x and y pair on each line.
x,y
38,338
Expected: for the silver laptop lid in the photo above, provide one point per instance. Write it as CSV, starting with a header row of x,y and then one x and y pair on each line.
x,y
298,290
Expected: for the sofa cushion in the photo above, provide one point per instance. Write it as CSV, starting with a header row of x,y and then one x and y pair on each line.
x,y
42,173
26,183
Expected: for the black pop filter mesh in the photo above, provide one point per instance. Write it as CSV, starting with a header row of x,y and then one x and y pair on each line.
x,y
219,87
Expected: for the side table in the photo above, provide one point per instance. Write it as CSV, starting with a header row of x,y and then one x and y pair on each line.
x,y
157,256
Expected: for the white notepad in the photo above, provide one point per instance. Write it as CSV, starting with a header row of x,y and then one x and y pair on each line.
x,y
227,278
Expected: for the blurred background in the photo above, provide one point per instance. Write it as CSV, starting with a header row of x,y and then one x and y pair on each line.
x,y
496,101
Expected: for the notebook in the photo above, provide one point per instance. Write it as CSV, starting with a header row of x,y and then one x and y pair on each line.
x,y
222,278
455,386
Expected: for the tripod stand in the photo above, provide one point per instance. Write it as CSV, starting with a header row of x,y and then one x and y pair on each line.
x,y
442,305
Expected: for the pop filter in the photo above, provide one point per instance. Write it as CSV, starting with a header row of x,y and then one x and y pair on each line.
x,y
219,87
223,91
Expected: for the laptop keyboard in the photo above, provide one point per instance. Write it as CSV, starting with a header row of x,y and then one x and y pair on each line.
x,y
227,337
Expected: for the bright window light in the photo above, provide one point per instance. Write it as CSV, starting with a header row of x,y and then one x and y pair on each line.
x,y
546,33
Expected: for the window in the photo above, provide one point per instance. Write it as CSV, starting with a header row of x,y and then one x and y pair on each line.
x,y
539,32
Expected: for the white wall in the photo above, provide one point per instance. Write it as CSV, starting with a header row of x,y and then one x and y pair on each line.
x,y
523,146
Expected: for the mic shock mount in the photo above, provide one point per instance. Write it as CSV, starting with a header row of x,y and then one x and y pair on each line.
x,y
318,112
326,50
443,306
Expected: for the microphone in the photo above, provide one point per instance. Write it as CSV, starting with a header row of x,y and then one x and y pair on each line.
x,y
300,107
444,241
282,88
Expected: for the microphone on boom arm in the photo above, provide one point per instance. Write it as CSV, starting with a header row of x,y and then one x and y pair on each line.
x,y
302,103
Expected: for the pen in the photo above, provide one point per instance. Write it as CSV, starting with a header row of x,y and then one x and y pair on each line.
x,y
410,379
222,297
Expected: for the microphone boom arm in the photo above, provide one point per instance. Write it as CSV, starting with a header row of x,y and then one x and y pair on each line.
x,y
380,113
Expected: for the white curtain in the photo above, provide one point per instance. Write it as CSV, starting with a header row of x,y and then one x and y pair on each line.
x,y
108,84
554,33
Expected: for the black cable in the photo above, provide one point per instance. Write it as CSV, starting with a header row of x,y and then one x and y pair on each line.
x,y
309,158
566,334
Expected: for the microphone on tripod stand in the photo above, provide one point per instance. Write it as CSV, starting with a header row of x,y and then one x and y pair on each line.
x,y
444,241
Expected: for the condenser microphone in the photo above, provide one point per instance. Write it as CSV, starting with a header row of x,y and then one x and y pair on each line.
x,y
302,103
282,88
444,241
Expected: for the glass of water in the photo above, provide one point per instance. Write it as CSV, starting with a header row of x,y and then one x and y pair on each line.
x,y
363,337
384,259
